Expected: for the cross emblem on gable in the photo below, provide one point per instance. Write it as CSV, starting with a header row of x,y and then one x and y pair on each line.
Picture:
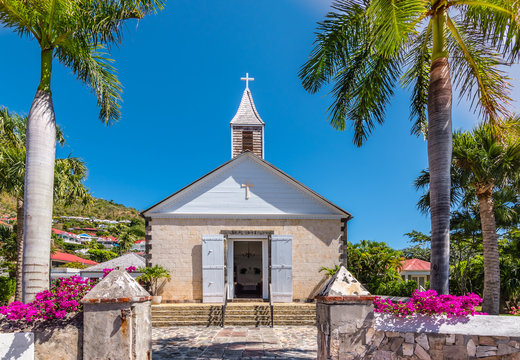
x,y
247,185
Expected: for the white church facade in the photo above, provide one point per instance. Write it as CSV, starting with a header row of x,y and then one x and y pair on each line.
x,y
245,229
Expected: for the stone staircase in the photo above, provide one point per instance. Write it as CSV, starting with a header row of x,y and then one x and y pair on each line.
x,y
237,314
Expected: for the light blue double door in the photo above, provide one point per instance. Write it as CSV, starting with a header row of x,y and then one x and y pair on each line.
x,y
215,262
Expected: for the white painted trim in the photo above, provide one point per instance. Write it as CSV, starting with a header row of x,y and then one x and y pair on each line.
x,y
243,216
263,136
258,236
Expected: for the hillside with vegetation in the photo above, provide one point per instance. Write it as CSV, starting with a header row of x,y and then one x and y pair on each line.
x,y
98,208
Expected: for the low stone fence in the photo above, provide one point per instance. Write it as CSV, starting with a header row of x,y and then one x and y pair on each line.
x,y
43,344
116,325
424,337
348,328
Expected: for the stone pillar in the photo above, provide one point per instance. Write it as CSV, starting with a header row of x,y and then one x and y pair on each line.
x,y
345,318
117,320
345,326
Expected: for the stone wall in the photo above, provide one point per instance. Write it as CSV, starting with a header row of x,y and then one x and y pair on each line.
x,y
53,343
425,346
349,329
176,245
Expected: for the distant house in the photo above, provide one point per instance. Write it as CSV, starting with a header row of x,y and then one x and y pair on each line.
x,y
139,246
417,270
122,262
60,258
109,241
67,236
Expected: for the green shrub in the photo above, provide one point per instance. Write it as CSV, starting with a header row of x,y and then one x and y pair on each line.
x,y
7,289
397,288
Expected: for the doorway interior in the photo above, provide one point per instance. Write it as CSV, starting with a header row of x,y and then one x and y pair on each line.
x,y
248,259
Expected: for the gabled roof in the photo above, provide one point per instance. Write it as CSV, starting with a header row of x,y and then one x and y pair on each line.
x,y
59,256
327,207
246,113
415,265
122,262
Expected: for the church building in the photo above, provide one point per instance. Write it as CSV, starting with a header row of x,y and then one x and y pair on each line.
x,y
245,229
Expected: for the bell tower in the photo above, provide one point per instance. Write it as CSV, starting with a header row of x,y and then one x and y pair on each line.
x,y
247,128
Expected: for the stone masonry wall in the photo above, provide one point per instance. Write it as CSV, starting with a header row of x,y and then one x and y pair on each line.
x,y
349,329
426,346
176,245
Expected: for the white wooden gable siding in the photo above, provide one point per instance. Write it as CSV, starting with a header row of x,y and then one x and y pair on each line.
x,y
221,193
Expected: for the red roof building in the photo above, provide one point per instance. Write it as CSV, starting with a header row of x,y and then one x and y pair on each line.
x,y
416,265
417,270
59,258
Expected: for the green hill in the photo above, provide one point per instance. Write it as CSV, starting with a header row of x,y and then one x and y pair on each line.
x,y
99,209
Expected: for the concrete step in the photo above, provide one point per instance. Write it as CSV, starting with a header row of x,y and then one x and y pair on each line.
x,y
237,314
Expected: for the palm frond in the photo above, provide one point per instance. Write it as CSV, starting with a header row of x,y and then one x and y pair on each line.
x,y
477,72
498,21
394,22
417,76
92,66
20,16
105,19
333,44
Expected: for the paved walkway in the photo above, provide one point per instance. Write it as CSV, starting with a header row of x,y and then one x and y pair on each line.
x,y
280,342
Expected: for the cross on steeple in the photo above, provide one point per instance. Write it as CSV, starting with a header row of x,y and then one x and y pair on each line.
x,y
247,79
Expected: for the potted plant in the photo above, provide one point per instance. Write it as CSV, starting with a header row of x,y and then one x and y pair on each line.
x,y
151,276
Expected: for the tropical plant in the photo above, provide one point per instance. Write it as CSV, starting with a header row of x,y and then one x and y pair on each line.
x,y
397,287
7,288
330,271
69,174
74,32
373,263
125,241
488,162
151,277
485,182
364,47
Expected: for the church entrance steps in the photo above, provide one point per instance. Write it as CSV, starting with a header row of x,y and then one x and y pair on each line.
x,y
237,314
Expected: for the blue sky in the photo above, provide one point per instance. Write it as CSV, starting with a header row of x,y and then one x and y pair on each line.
x,y
181,74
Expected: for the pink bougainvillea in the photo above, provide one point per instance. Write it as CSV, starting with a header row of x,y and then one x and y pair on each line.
x,y
515,311
129,269
430,303
63,297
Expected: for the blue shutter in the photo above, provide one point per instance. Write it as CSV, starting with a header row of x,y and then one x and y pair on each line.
x,y
281,268
213,268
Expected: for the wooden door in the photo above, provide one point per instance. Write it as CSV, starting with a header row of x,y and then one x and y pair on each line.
x,y
281,268
213,269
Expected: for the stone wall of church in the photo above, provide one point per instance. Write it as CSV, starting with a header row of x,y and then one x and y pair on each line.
x,y
176,245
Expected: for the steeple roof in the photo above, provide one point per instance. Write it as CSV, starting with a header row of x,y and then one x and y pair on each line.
x,y
246,113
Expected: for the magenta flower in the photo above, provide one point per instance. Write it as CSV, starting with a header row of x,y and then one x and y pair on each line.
x,y
431,304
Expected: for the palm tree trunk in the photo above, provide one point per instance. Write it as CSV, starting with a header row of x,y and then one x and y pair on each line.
x,y
39,179
491,295
439,160
19,249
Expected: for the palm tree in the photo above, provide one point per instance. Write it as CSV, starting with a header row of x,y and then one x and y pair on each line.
x,y
151,276
365,46
125,241
488,162
74,32
485,181
69,174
